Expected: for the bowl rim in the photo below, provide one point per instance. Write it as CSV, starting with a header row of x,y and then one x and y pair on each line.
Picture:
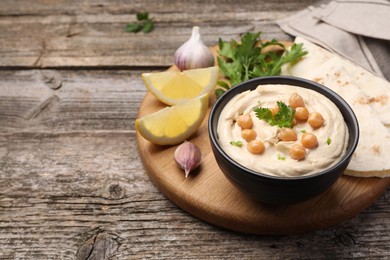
x,y
284,80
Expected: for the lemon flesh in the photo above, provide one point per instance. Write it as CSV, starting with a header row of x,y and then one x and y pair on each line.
x,y
174,87
173,125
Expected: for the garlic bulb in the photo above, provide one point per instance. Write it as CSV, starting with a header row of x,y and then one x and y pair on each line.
x,y
193,54
188,157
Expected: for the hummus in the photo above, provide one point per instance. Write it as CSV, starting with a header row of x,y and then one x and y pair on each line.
x,y
332,136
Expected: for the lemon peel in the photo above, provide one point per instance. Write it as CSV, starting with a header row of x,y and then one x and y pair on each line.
x,y
173,87
175,124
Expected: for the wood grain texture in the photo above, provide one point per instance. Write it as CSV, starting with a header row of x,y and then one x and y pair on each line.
x,y
72,185
92,33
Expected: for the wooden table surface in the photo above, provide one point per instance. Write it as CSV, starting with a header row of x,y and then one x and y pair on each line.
x,y
72,185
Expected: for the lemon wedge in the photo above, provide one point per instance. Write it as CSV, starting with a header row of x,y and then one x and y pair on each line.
x,y
173,87
173,125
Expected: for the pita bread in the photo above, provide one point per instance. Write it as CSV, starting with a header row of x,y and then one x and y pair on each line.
x,y
376,88
354,85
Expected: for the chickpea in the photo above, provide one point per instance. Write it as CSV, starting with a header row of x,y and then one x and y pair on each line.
x,y
248,134
297,152
295,101
256,147
274,110
294,122
301,113
245,121
288,134
315,120
309,141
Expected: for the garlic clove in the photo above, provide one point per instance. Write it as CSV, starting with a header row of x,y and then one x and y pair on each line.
x,y
188,157
194,54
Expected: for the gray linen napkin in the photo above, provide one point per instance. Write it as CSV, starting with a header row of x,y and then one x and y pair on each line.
x,y
367,18
356,29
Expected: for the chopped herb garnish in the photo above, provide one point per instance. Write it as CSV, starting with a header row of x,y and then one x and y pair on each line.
x,y
246,59
303,131
283,118
236,143
282,158
328,141
144,23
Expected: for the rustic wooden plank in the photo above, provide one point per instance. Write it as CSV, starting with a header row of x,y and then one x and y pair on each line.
x,y
54,203
41,7
83,100
72,184
56,196
82,33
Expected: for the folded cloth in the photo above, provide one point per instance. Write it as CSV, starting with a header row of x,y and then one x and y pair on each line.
x,y
367,18
380,49
342,35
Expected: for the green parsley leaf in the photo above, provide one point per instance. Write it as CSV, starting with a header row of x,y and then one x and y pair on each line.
x,y
148,26
142,16
133,27
264,114
236,143
246,60
281,158
328,141
283,118
227,49
223,84
219,92
303,131
144,23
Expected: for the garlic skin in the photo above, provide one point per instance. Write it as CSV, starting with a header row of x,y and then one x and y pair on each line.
x,y
188,157
194,54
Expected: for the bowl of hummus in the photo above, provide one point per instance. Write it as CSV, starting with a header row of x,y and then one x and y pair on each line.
x,y
282,139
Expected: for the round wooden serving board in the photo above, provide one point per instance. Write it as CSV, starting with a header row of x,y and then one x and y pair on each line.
x,y
208,195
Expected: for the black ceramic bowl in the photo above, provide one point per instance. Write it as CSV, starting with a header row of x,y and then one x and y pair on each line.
x,y
281,190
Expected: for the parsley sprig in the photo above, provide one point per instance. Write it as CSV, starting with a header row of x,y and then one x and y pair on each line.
x,y
144,23
283,118
244,60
